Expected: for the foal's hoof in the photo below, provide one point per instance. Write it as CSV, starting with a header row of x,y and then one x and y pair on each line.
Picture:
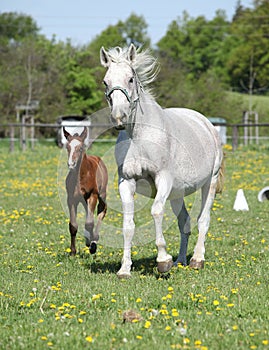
x,y
165,266
93,248
197,265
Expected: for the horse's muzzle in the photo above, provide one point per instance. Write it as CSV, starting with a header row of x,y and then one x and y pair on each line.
x,y
120,127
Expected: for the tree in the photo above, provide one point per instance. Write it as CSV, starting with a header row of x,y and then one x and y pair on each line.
x,y
195,42
83,95
15,27
249,56
134,30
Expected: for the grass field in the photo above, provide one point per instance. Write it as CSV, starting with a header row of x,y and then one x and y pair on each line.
x,y
51,300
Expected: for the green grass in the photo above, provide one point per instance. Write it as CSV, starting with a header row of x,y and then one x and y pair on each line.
x,y
51,300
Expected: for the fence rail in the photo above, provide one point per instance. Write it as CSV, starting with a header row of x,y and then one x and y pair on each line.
x,y
235,132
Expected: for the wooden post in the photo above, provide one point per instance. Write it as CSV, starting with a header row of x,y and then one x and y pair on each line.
x,y
32,132
235,137
23,133
12,139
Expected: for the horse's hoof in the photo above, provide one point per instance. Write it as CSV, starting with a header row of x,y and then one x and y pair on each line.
x,y
165,266
123,276
93,248
197,265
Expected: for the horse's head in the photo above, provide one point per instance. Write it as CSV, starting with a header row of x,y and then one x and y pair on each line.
x,y
121,83
75,146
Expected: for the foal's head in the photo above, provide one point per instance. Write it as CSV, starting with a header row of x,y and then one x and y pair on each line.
x,y
76,145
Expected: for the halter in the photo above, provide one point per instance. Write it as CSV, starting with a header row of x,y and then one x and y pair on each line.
x,y
108,93
133,104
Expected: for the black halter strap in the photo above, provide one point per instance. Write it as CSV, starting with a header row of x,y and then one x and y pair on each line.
x,y
108,93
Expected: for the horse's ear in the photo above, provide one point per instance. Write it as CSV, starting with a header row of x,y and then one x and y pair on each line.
x,y
66,133
84,133
85,136
131,53
104,58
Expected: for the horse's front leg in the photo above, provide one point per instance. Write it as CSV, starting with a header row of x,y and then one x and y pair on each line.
x,y
163,184
73,226
127,190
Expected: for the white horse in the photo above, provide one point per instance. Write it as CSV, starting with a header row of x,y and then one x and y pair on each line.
x,y
162,153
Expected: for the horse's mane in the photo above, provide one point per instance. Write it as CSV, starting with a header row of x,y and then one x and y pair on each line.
x,y
145,65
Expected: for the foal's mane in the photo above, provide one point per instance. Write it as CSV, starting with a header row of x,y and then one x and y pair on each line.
x,y
145,65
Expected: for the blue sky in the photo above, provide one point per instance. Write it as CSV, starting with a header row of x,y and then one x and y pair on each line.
x,y
82,20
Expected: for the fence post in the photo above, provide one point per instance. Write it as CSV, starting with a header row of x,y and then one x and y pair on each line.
x,y
32,132
235,137
12,134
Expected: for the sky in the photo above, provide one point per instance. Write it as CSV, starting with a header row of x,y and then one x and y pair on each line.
x,y
82,20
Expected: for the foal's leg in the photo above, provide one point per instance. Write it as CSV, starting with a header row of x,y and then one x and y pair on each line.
x,y
90,237
101,212
73,226
183,219
208,195
163,184
127,190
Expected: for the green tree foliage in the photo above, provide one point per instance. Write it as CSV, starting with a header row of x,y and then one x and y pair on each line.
x,y
84,97
134,30
196,43
248,62
14,27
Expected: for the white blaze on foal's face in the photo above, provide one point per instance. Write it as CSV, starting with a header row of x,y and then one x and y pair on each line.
x,y
74,148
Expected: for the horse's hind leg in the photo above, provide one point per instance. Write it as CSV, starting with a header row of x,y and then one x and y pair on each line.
x,y
163,185
101,212
90,238
183,219
208,195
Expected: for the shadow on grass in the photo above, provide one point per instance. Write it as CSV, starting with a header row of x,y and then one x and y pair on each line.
x,y
144,266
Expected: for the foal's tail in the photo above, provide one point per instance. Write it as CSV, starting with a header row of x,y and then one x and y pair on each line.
x,y
220,182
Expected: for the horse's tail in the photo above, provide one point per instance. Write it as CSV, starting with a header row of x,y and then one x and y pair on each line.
x,y
220,182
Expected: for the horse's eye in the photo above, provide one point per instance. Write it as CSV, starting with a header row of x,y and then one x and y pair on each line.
x,y
131,80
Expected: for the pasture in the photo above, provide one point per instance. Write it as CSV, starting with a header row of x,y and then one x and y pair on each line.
x,y
51,300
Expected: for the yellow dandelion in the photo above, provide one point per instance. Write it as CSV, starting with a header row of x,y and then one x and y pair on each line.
x,y
89,339
230,305
215,302
138,300
175,313
147,324
168,328
139,337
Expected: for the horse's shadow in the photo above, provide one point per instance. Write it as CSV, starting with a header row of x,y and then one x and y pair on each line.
x,y
145,266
